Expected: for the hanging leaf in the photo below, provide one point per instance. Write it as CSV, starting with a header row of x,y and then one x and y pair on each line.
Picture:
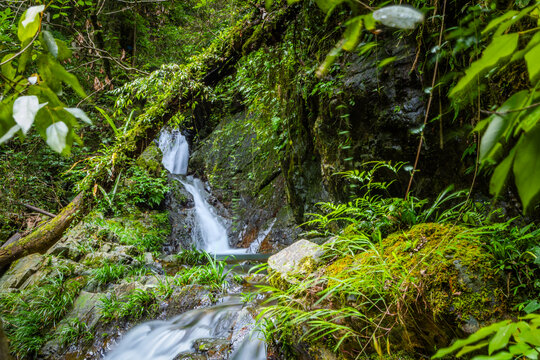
x,y
399,16
499,124
532,58
386,61
500,175
9,134
79,114
527,168
56,136
352,33
29,23
501,47
50,43
25,109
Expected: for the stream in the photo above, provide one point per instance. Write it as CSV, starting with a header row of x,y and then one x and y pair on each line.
x,y
228,328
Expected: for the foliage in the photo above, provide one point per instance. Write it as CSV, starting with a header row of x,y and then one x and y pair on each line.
x,y
29,315
32,98
74,331
504,340
191,256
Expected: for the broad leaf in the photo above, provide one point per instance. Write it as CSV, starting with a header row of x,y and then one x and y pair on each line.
x,y
495,22
25,56
532,58
79,114
51,43
499,124
7,69
527,168
352,33
500,340
29,23
501,47
25,109
9,134
56,136
498,179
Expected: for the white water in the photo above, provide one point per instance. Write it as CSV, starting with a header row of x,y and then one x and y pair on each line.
x,y
175,149
210,234
164,340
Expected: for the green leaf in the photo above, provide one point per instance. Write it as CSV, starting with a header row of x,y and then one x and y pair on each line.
x,y
7,69
506,25
79,114
499,124
469,348
535,40
501,47
56,136
532,306
386,61
495,22
328,5
527,168
29,23
50,43
25,56
498,179
64,52
352,33
500,340
532,58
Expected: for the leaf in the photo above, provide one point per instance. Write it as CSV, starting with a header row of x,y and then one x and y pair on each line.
x,y
498,179
532,306
79,114
7,69
530,118
495,22
9,134
399,16
56,136
501,47
25,109
50,43
501,337
527,168
386,61
64,52
532,58
352,33
469,348
29,23
25,56
500,123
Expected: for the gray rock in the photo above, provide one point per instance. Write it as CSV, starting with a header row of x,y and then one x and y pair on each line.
x,y
295,261
20,271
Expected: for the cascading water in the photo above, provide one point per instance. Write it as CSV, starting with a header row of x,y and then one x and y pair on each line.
x,y
180,337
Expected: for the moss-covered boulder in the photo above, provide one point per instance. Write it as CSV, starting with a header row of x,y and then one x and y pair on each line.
x,y
424,286
150,160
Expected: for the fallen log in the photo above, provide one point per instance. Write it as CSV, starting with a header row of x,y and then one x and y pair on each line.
x,y
261,29
41,239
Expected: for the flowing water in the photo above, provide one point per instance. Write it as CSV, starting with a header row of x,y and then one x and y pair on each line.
x,y
227,329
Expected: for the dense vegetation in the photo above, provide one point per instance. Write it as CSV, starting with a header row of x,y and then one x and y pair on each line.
x,y
408,151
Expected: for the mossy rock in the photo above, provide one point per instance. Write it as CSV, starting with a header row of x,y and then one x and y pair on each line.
x,y
435,282
150,160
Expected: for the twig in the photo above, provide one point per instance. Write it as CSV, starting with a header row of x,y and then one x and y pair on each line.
x,y
36,209
509,111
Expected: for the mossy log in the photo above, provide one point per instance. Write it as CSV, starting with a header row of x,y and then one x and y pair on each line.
x,y
45,236
262,29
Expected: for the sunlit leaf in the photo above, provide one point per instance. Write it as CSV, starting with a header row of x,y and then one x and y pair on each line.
x,y
495,22
501,47
352,33
29,23
532,58
399,16
501,337
56,136
527,168
50,43
25,109
79,114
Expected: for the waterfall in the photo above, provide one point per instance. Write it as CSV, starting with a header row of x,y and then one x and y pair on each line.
x,y
210,234
175,149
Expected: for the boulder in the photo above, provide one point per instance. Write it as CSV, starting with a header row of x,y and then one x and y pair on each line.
x,y
293,263
150,160
20,271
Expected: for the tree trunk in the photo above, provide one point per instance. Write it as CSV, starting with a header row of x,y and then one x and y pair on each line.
x,y
41,239
4,350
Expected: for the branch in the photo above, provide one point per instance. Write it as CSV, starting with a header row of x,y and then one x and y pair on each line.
x,y
509,111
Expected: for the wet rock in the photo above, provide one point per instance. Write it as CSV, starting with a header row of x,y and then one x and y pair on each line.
x,y
68,249
86,308
294,262
20,271
150,160
189,356
212,347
